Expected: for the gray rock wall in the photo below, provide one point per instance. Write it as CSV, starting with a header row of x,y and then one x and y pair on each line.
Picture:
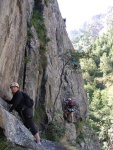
x,y
13,33
51,84
61,84
13,27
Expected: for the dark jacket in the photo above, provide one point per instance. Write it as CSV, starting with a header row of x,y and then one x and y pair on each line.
x,y
24,112
17,102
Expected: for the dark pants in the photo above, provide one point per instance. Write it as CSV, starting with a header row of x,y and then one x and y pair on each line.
x,y
27,117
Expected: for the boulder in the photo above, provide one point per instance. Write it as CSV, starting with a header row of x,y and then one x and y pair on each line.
x,y
14,129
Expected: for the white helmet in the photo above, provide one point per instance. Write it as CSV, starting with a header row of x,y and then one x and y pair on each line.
x,y
14,84
69,99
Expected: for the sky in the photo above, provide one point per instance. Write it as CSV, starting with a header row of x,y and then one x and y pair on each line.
x,y
77,12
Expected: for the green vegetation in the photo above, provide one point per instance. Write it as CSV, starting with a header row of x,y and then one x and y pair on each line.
x,y
39,115
29,34
38,22
79,125
55,131
4,144
26,59
69,56
97,68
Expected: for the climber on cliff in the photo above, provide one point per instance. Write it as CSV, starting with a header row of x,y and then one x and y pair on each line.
x,y
26,113
69,109
75,64
64,21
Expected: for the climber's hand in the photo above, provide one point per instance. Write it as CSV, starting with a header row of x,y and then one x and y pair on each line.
x,y
4,97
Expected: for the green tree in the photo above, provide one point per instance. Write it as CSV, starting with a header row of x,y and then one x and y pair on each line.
x,y
105,64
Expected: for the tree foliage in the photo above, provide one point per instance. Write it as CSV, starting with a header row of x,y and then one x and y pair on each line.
x,y
97,68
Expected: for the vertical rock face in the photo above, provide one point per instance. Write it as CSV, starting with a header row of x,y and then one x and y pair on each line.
x,y
57,81
13,27
20,58
63,81
60,82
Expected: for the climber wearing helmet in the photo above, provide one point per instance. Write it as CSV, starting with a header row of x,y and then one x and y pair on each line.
x,y
75,64
69,109
26,113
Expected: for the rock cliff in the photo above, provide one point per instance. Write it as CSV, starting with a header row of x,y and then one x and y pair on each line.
x,y
34,43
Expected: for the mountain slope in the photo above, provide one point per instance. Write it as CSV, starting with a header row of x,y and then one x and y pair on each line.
x,y
35,50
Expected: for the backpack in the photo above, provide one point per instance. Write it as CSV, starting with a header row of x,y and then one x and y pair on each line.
x,y
27,100
71,103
